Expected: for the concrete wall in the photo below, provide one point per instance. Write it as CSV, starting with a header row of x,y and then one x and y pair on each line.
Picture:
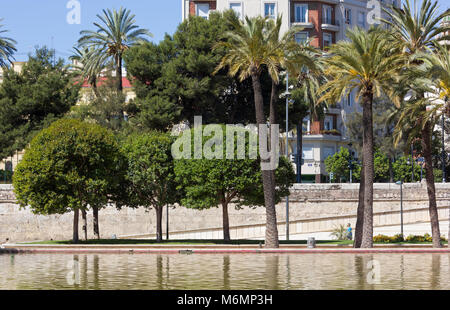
x,y
315,209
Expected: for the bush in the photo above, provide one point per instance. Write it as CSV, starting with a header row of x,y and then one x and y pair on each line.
x,y
388,239
339,233
399,238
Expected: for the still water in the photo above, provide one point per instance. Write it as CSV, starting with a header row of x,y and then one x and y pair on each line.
x,y
235,271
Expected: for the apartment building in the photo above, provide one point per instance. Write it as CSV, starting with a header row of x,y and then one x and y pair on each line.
x,y
325,22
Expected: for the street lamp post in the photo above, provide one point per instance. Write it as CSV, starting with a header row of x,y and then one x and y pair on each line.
x,y
287,149
167,222
401,205
444,155
412,163
350,161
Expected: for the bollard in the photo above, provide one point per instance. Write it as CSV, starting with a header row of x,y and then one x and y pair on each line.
x,y
311,243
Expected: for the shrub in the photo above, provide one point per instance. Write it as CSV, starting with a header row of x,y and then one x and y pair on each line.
x,y
339,232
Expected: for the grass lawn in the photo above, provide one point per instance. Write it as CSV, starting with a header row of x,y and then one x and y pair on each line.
x,y
204,242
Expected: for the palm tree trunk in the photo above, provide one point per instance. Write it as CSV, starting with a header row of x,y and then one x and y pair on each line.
x,y
159,211
226,222
119,73
360,211
84,227
429,175
119,80
96,224
75,238
268,181
368,166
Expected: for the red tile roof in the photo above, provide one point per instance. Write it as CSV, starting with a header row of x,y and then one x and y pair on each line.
x,y
125,82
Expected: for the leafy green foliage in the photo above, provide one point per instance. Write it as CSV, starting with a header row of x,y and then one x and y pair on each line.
x,y
7,48
32,99
150,175
174,80
338,164
211,182
339,232
70,165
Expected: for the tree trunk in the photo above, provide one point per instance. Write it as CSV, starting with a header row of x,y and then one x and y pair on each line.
x,y
226,223
429,175
159,211
119,73
268,182
119,81
391,171
360,211
96,225
368,166
75,238
84,229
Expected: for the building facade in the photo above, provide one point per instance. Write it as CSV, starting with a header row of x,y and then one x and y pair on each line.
x,y
324,22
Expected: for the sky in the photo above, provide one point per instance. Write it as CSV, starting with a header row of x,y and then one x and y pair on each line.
x,y
44,22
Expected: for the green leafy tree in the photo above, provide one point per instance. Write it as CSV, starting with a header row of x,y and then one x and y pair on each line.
x,y
32,99
214,182
7,48
338,164
115,34
150,177
173,80
70,166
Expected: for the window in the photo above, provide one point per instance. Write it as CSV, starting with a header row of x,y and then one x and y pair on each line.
x,y
301,13
348,16
349,99
301,37
269,10
328,151
327,39
237,8
203,10
361,19
328,122
307,152
327,14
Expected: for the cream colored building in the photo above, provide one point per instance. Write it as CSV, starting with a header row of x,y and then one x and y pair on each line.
x,y
324,22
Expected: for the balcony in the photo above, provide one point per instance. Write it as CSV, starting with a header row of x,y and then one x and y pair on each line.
x,y
305,25
328,24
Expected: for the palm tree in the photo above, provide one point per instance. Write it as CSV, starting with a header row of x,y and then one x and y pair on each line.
x,y
7,48
248,51
115,34
367,64
89,67
416,29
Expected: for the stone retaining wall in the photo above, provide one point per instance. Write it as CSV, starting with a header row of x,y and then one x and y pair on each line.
x,y
313,208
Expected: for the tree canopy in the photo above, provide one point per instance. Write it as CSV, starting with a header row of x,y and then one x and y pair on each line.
x,y
32,99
